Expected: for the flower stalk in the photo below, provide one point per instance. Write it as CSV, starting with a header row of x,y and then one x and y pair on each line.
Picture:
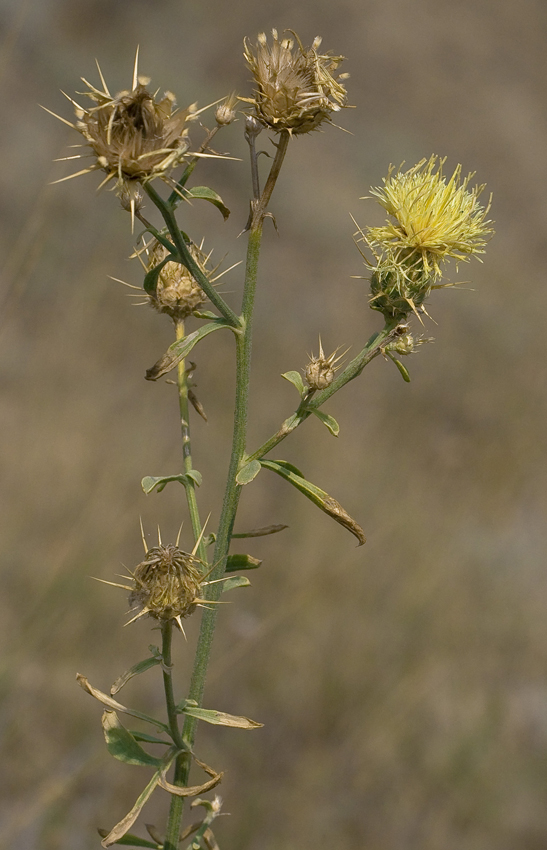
x,y
137,139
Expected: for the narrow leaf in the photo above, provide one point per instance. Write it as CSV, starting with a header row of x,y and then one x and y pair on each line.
x,y
327,504
236,581
133,671
181,348
329,421
204,314
122,745
190,790
261,532
219,718
150,282
117,706
288,467
238,562
148,739
248,472
203,193
127,822
130,840
295,378
402,369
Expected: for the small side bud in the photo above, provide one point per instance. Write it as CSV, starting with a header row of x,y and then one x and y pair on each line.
x,y
319,373
253,128
225,111
176,293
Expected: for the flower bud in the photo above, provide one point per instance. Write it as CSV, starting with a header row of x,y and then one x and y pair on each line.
x,y
319,373
166,583
225,112
176,293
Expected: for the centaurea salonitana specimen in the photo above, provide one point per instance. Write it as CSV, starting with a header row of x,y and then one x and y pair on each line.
x,y
138,140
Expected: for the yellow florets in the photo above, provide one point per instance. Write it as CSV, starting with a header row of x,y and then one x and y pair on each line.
x,y
433,218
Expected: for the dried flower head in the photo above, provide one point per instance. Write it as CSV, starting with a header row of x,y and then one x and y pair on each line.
x,y
319,373
133,137
166,584
433,219
295,87
177,292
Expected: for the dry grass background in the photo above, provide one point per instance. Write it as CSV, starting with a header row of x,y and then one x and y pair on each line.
x,y
403,685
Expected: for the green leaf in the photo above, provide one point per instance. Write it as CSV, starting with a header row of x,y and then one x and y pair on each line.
x,y
261,532
204,314
329,421
288,467
248,472
295,378
203,193
133,671
236,581
327,504
150,482
132,840
150,282
181,348
217,718
122,745
237,562
195,476
402,369
148,739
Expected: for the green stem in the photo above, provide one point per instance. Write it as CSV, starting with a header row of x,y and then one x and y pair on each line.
x,y
177,803
371,350
186,258
190,487
232,492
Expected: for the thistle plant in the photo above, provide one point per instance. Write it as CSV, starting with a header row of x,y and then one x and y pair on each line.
x,y
138,141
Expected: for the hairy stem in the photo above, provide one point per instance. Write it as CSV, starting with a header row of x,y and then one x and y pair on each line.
x,y
190,487
232,491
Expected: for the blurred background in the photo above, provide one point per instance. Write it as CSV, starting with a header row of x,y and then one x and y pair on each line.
x,y
403,684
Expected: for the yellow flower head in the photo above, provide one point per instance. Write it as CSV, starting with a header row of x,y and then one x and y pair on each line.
x,y
433,218
295,87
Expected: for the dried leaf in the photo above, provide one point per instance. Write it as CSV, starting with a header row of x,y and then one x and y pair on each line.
x,y
219,718
117,706
261,532
327,504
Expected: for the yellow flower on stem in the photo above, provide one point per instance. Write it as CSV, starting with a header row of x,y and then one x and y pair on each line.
x,y
432,218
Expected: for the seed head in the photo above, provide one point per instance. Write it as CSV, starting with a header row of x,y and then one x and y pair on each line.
x,y
166,583
132,136
177,293
295,87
